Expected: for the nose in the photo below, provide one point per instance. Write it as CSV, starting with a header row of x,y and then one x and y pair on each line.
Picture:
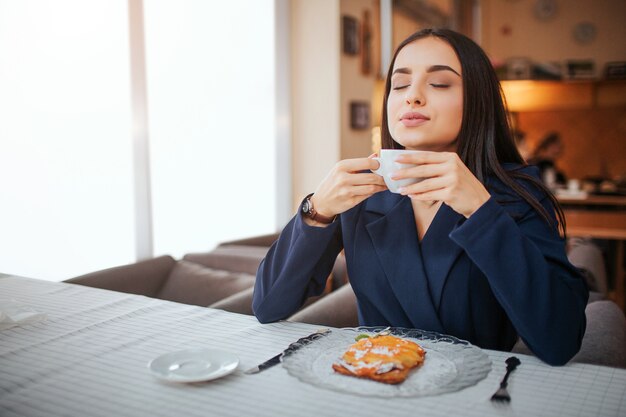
x,y
414,96
413,101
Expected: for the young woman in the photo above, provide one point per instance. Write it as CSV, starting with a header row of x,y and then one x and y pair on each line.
x,y
473,250
549,150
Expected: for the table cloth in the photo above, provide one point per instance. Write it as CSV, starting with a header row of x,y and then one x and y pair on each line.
x,y
89,358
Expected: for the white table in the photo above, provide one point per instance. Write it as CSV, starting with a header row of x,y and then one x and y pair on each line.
x,y
90,359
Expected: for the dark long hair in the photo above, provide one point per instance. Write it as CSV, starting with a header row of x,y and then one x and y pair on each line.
x,y
550,139
485,140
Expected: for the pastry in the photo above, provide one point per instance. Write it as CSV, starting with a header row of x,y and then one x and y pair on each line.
x,y
382,358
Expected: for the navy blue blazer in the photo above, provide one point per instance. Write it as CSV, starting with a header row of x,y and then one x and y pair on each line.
x,y
487,279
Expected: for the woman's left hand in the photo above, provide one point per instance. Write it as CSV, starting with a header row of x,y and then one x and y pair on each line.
x,y
445,178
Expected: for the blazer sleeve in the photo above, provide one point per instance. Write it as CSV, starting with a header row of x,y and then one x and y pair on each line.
x,y
525,263
295,268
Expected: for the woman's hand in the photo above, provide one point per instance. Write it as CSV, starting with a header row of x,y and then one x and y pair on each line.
x,y
446,178
345,186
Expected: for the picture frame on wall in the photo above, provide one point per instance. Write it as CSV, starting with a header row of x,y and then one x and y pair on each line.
x,y
350,34
359,115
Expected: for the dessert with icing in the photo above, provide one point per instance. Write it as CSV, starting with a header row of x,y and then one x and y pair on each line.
x,y
383,358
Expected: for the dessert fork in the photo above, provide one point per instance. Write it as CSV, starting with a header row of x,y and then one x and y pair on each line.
x,y
502,395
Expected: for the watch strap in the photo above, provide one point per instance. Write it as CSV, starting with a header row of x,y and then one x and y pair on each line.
x,y
312,214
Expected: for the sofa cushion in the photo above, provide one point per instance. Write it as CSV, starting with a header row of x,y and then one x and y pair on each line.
x,y
337,309
240,302
192,283
587,256
144,277
604,342
262,240
241,258
605,339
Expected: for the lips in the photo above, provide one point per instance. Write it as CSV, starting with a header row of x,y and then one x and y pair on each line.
x,y
411,119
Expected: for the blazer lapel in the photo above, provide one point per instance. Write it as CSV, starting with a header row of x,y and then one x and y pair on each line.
x,y
439,252
391,228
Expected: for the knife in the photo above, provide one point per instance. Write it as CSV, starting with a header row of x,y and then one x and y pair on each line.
x,y
275,360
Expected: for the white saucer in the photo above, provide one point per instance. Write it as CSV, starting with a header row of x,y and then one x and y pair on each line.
x,y
193,365
574,195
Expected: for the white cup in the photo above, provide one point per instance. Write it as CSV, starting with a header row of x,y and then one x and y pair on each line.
x,y
388,166
573,185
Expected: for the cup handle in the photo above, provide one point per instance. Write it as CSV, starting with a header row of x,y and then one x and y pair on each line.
x,y
380,165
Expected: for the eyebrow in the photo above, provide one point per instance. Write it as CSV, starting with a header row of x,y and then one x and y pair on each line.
x,y
433,68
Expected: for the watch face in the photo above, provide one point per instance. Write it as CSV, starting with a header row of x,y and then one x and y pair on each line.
x,y
306,206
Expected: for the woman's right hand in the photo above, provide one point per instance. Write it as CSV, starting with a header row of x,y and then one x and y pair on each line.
x,y
345,186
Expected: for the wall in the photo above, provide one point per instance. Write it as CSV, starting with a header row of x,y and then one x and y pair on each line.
x,y
412,16
402,27
315,93
552,40
325,80
594,138
356,86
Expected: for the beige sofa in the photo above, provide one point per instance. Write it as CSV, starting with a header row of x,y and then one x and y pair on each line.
x,y
224,278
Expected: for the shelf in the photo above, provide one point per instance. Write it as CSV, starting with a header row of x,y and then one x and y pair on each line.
x,y
530,95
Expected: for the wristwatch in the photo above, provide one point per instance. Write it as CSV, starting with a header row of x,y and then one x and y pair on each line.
x,y
309,211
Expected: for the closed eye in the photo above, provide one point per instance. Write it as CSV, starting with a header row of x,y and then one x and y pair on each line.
x,y
440,85
400,87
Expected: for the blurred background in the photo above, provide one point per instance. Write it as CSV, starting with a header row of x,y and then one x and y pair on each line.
x,y
134,128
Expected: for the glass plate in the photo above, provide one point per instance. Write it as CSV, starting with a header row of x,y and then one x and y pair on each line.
x,y
451,364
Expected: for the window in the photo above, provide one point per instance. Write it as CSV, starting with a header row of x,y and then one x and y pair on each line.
x,y
211,121
65,156
66,152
